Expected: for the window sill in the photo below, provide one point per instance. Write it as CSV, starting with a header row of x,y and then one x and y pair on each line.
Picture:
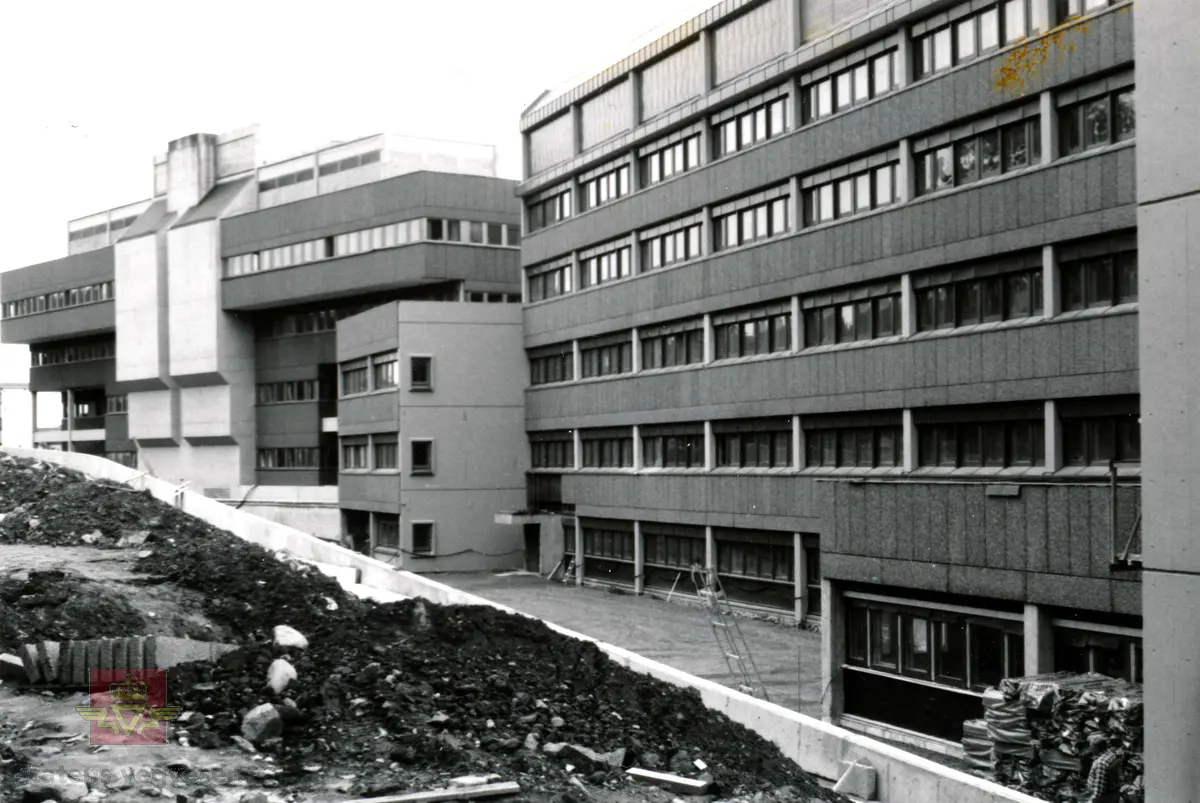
x,y
989,326
366,393
1099,312
755,471
774,355
981,471
558,384
416,473
587,380
421,389
852,471
670,369
654,470
1123,470
852,344
625,470
909,679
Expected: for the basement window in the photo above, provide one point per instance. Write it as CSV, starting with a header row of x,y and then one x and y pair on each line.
x,y
422,538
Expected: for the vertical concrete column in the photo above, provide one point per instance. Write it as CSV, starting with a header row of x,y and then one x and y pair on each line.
x,y
706,232
70,411
904,58
910,441
576,360
710,548
709,345
462,291
576,135
524,217
524,287
906,178
908,306
797,444
576,271
707,59
706,143
578,545
636,350
800,569
1053,447
795,27
635,171
1051,283
371,533
637,448
833,649
635,255
710,447
1048,118
526,172
797,325
1039,641
577,437
639,559
635,98
795,204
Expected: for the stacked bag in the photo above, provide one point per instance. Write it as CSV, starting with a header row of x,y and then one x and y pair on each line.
x,y
977,747
1039,728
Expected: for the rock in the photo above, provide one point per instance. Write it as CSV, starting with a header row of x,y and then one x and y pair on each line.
x,y
61,789
591,760
151,791
190,719
420,615
279,674
290,638
651,761
439,720
145,553
557,722
531,742
180,765
132,539
474,780
261,723
91,537
369,674
541,704
680,763
554,749
785,793
12,668
528,719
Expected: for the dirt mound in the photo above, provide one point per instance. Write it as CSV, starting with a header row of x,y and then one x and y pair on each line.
x,y
55,606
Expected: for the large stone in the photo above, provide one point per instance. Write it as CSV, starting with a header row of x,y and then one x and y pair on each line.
x,y
261,723
63,790
107,652
858,780
290,638
12,668
279,674
591,760
29,659
132,539
49,658
169,651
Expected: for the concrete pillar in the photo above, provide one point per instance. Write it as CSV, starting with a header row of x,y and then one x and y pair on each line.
x,y
372,531
800,569
908,306
1051,283
578,444
1053,447
635,98
795,204
637,448
635,172
910,441
797,444
706,231
524,287
795,27
636,350
797,325
526,168
710,447
576,360
578,544
1039,641
1048,118
707,61
70,411
906,178
710,548
639,559
709,345
576,137
635,255
706,146
833,649
904,59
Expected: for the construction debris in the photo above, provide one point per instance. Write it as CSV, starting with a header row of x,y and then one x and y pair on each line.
x,y
385,699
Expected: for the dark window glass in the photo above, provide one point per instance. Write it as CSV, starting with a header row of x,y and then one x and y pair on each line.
x,y
1096,123
987,656
856,634
916,646
884,640
1124,118
950,644
1016,147
989,154
967,162
1127,282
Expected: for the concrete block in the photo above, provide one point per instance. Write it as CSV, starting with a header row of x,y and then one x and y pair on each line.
x,y
106,654
168,652
79,665
120,657
150,653
135,654
49,658
857,780
92,658
821,749
12,668
905,784
29,659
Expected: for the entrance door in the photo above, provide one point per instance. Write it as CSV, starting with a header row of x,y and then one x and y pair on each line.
x,y
533,547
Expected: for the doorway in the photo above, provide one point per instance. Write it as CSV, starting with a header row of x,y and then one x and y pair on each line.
x,y
533,548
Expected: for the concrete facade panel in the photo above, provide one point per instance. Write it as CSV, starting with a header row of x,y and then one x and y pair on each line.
x,y
193,307
77,270
85,319
140,306
154,415
90,374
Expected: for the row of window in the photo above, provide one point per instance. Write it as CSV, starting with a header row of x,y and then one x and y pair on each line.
x,y
862,192
849,87
127,459
751,127
307,322
978,34
493,298
606,267
608,186
295,457
300,176
61,355
663,163
673,247
61,299
300,390
102,228
1097,122
758,222
1087,441
115,405
371,452
1002,150
377,372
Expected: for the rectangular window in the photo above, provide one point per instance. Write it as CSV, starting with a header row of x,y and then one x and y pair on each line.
x,y
421,452
677,447
114,405
885,647
607,452
383,367
355,377
917,652
973,301
755,334
552,450
758,222
354,453
985,155
751,127
1102,281
852,447
386,452
863,320
605,188
422,537
420,371
950,650
1098,440
1097,122
769,446
606,360
975,444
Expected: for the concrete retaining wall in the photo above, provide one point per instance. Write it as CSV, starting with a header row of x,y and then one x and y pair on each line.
x,y
818,747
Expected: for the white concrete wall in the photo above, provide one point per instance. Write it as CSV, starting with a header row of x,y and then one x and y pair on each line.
x,y
16,417
817,747
194,302
138,309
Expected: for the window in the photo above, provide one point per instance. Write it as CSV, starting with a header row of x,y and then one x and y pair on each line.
x,y
992,153
512,236
853,320
750,127
606,187
385,451
605,267
420,372
1067,9
761,555
996,652
966,302
680,446
127,459
671,248
976,35
992,444
552,449
863,191
1102,281
557,365
673,345
383,367
1117,656
354,377
80,352
607,359
295,457
47,302
354,453
1097,122
917,653
607,450
747,225
495,233
114,405
422,457
671,160
754,444
422,536
608,543
852,447
885,640
673,547
869,79
302,390
1096,440
551,283
548,211
387,531
751,332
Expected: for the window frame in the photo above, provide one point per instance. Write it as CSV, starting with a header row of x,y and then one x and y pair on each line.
x,y
416,385
424,468
432,536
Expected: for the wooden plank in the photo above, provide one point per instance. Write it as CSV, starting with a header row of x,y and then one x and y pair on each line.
x,y
677,783
461,793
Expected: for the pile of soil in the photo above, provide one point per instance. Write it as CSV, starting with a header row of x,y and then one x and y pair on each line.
x,y
56,606
389,698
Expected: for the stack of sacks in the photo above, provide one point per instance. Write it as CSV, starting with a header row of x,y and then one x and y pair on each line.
x,y
977,746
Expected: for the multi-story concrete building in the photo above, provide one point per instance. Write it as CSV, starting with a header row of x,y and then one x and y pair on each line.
x,y
193,334
841,299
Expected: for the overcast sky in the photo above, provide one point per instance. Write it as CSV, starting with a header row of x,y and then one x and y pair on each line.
x,y
92,91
